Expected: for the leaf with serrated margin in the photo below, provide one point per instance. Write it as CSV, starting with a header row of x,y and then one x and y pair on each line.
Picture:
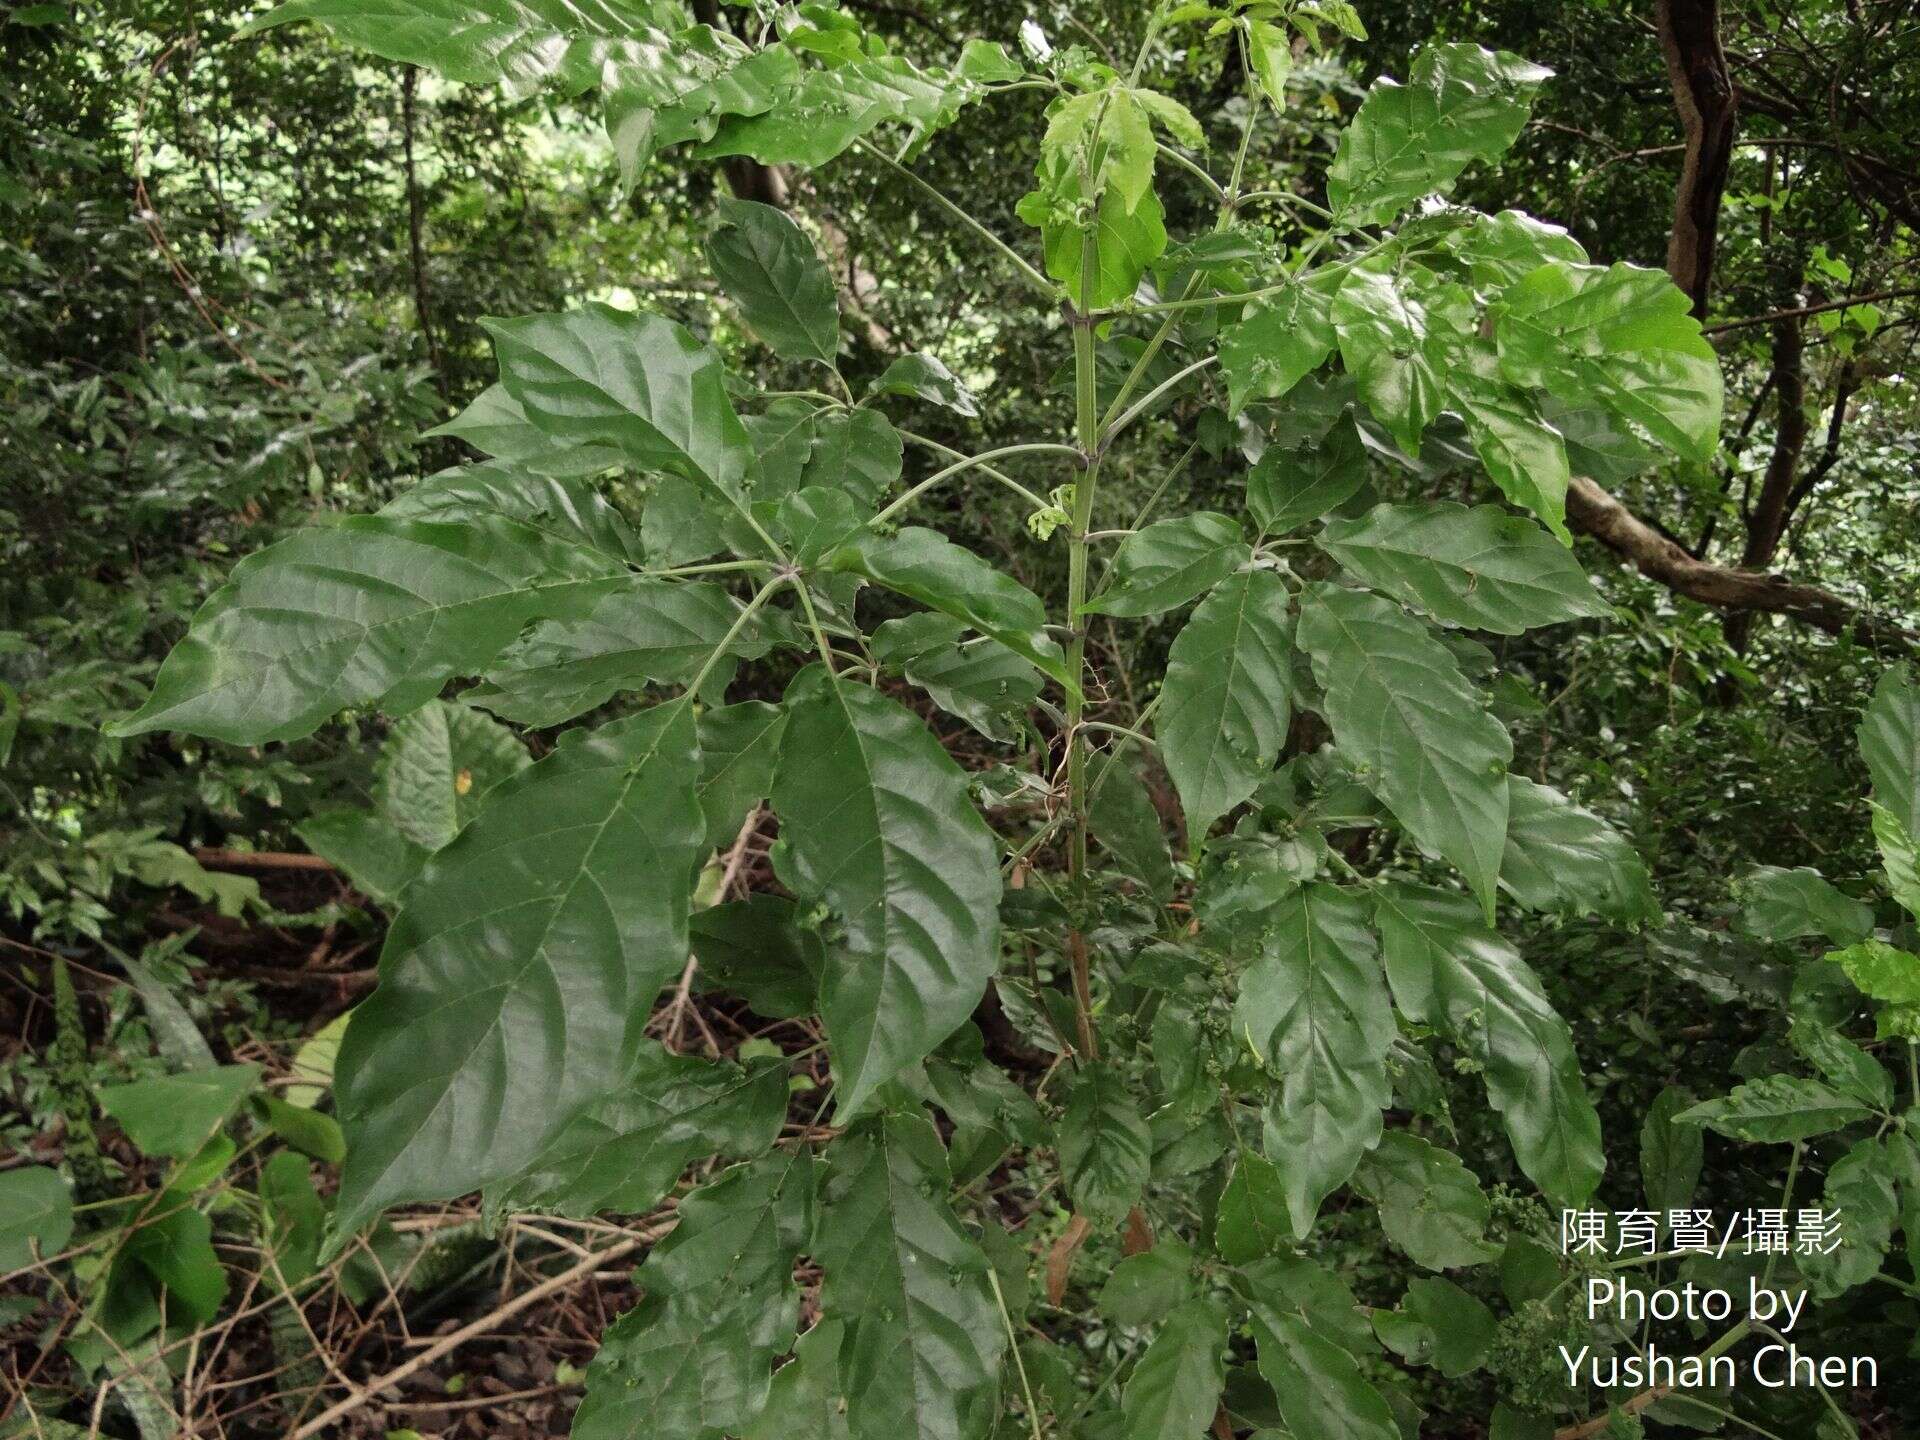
x,y
1314,1009
1448,970
1282,341
1460,104
626,1150
516,981
1170,562
1175,1386
642,632
1780,904
694,1359
1252,1220
640,383
875,820
1105,1148
1395,344
924,565
370,611
1620,337
1319,1389
565,507
438,765
770,269
1228,696
1399,705
924,1340
1480,568
1562,858
1431,1205
1286,488
1777,1108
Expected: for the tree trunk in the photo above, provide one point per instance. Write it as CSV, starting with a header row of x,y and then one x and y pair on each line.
x,y
1704,93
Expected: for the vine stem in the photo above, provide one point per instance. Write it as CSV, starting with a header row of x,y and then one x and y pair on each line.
x,y
933,192
1037,447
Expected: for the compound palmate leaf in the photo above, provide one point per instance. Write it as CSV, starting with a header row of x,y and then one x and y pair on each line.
x,y
875,820
924,1337
372,610
516,979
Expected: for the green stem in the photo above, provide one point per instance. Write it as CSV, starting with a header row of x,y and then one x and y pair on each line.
x,y
1013,1343
1198,171
718,567
726,641
813,623
1139,406
1041,447
1027,273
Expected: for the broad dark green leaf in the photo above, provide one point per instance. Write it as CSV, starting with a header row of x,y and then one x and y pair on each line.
x,y
668,93
924,377
1229,695
1793,904
1619,337
739,746
754,948
1314,1008
1889,737
1399,705
695,1357
857,451
1842,1063
522,454
1562,858
1431,1205
1480,568
769,268
36,1216
175,1247
567,509
1174,1387
1294,1285
1320,1390
925,566
804,1403
1523,453
1777,1108
515,982
626,1150
1460,104
1899,857
1670,1154
174,1115
827,110
1448,970
1252,1219
438,765
875,820
642,631
1438,1324
1287,488
378,859
639,383
1147,1287
782,438
1105,1147
1280,342
1860,1192
1123,819
1170,562
307,1130
980,680
924,1339
370,611
1395,344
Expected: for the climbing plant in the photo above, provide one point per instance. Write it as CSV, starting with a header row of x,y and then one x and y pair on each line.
x,y
1214,1013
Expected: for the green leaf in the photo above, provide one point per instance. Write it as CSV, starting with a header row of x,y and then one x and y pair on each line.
x,y
755,949
1145,1288
1431,1205
924,1338
1395,345
640,383
515,982
1460,104
1229,694
523,456
296,1216
1842,1063
924,377
1252,1218
1501,248
1169,563
1125,822
176,1248
1561,858
925,566
643,631
695,1357
875,820
626,1149
1523,454
827,110
804,1403
1105,1147
1315,1011
36,1216
1281,341
1777,1108
1175,1386
769,268
174,1032
1479,568
1889,738
378,859
1899,855
1791,904
1272,60
739,746
1287,488
1318,1387
174,1115
1399,705
436,768
1449,971
1881,970
370,611
1860,1192
687,89
979,680
306,1129
857,451
1622,338
1439,1324
1670,1154
568,510
1125,244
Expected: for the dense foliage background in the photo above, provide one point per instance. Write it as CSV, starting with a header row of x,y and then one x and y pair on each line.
x,y
242,277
